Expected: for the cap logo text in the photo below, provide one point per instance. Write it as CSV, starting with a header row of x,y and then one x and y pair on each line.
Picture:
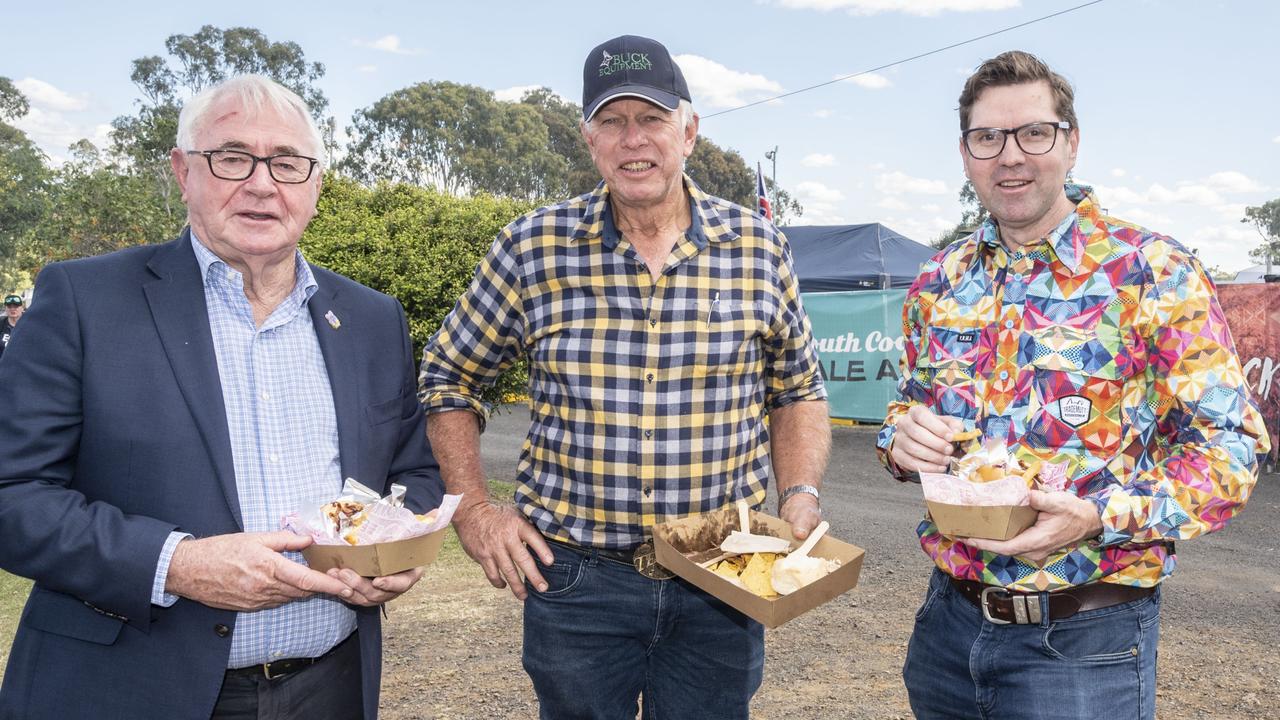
x,y
624,61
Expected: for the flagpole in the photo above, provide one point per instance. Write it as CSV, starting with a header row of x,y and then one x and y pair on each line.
x,y
772,156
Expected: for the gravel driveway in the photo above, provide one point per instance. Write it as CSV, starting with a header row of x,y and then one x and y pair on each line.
x,y
453,644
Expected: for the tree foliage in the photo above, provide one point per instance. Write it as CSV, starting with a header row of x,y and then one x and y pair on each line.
x,y
456,138
142,141
1265,219
972,215
416,244
24,186
13,104
97,206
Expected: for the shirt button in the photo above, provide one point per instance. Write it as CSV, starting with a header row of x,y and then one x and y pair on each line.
x,y
652,321
1008,324
221,630
274,458
1004,374
266,395
649,377
647,490
648,433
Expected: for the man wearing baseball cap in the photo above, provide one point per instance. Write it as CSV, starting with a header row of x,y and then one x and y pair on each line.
x,y
661,326
13,307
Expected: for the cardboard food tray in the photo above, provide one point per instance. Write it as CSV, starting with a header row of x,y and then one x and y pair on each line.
x,y
992,522
377,559
682,544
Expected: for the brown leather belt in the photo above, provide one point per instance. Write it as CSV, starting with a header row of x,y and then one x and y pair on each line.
x,y
287,666
640,557
1006,607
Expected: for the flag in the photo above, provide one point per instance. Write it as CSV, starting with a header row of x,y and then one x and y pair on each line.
x,y
762,198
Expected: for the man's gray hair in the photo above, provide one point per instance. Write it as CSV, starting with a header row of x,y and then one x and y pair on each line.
x,y
254,93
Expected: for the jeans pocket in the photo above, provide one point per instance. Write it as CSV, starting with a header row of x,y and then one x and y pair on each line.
x,y
932,593
1108,639
562,578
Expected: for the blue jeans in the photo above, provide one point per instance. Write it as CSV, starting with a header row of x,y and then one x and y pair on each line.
x,y
602,635
1098,663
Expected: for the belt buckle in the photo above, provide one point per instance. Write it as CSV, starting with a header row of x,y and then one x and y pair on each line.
x,y
986,611
645,561
266,671
1026,608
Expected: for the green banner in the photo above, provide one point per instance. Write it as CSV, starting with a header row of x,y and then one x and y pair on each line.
x,y
859,337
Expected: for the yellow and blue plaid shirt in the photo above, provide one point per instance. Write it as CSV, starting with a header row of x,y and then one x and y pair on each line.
x,y
648,400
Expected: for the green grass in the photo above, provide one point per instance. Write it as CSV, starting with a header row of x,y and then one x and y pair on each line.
x,y
13,595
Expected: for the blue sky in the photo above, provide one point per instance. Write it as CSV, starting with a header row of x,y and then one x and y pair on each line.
x,y
1179,130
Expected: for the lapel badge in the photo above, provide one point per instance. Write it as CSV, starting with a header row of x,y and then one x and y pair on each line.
x,y
334,322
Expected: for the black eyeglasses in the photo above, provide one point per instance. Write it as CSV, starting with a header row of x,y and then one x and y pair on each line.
x,y
239,165
1035,138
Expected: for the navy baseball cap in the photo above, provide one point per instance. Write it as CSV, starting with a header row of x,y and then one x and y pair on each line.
x,y
13,300
631,66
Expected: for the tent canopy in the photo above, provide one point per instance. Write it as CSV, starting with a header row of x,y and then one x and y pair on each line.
x,y
869,256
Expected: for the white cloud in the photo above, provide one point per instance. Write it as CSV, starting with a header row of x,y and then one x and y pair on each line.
x,y
1276,139
894,204
388,43
54,133
1231,181
909,7
822,205
1157,194
1117,172
868,80
43,95
367,68
932,208
714,85
1224,246
819,160
898,182
824,114
514,93
817,192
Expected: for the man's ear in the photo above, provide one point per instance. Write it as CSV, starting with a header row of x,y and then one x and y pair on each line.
x,y
178,161
691,135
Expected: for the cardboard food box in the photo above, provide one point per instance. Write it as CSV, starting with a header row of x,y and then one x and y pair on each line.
x,y
992,522
682,544
380,558
994,510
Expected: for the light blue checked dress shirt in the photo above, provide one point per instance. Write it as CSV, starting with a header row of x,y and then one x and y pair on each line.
x,y
284,444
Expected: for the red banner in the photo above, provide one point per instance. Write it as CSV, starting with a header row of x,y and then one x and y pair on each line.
x,y
1253,313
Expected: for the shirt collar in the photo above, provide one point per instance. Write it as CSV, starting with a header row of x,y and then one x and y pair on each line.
x,y
304,280
706,224
1068,239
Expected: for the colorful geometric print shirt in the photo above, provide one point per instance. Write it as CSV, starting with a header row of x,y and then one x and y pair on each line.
x,y
1103,348
648,398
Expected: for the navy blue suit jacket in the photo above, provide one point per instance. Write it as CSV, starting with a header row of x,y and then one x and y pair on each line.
x,y
115,434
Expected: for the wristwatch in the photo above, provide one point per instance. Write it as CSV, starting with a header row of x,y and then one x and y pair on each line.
x,y
796,490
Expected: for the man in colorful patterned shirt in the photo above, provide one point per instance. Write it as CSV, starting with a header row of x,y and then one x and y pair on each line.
x,y
663,327
1075,338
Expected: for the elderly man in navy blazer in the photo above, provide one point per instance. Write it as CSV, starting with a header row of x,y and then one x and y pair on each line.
x,y
171,403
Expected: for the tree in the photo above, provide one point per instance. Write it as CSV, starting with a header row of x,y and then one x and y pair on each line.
x,y
197,62
13,104
24,186
972,215
1265,219
97,206
416,244
562,119
456,138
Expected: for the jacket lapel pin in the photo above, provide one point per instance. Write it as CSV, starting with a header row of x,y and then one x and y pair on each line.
x,y
334,322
